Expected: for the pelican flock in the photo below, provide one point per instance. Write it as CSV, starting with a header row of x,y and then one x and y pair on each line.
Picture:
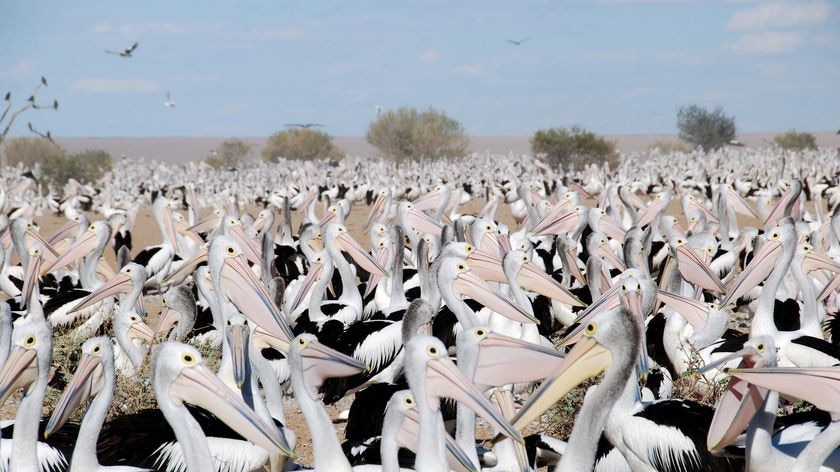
x,y
678,312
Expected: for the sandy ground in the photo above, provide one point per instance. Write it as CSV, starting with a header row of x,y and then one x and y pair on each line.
x,y
183,149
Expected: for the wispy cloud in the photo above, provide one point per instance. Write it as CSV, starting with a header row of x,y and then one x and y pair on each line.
x,y
429,56
765,44
779,15
469,70
114,86
251,34
18,70
265,34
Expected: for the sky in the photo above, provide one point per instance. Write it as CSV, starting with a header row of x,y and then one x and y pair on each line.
x,y
246,68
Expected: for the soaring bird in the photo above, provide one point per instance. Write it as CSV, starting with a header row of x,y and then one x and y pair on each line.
x,y
125,53
169,102
517,43
303,125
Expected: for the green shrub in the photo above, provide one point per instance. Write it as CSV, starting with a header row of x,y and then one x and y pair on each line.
x,y
408,134
573,147
29,151
86,167
707,129
795,141
231,153
668,147
301,144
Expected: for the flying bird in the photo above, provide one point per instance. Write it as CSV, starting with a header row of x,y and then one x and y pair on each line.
x,y
517,43
126,53
377,109
169,102
303,125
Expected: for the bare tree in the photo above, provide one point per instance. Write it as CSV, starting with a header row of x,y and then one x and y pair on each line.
x,y
31,103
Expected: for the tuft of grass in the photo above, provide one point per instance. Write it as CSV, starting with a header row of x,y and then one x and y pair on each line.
x,y
559,420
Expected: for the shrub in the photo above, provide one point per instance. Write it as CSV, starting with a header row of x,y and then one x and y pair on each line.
x,y
794,141
302,144
30,151
575,147
707,129
668,147
232,152
408,134
86,167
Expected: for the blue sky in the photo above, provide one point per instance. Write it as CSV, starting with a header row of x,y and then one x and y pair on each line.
x,y
245,68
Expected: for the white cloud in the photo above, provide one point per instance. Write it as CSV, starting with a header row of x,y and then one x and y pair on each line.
x,y
115,86
18,71
766,44
778,15
429,56
266,34
469,70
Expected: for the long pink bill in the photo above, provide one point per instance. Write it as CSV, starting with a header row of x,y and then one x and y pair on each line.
x,y
346,243
819,386
322,362
468,284
309,280
84,245
120,284
695,270
505,360
87,382
694,311
186,268
756,271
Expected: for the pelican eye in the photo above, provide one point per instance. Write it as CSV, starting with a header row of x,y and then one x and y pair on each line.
x,y
188,358
303,342
341,229
230,250
462,267
591,328
91,228
469,248
760,348
603,241
127,270
775,235
480,332
96,349
432,351
36,252
409,402
709,249
524,258
134,319
29,341
806,248
680,241
163,301
488,228
244,322
229,323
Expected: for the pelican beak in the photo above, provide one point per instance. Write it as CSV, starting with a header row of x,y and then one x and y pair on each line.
x,y
166,321
169,228
119,284
87,382
186,268
199,386
504,360
140,330
430,201
586,360
263,339
375,210
259,223
697,271
654,209
816,385
735,409
608,255
409,434
346,243
609,301
237,337
251,297
422,223
612,229
504,243
314,274
66,231
756,271
557,224
443,379
324,362
829,288
206,224
633,302
694,311
739,204
468,284
84,245
814,261
487,266
249,249
19,372
534,279
375,278
31,277
746,354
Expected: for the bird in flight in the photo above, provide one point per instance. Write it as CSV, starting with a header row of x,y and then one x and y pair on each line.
x,y
517,43
169,102
303,125
126,53
377,109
